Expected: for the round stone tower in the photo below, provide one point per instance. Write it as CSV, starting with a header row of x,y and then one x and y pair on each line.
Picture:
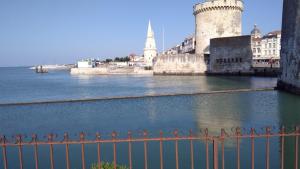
x,y
216,18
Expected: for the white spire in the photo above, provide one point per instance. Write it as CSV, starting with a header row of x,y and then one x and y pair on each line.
x,y
150,32
150,46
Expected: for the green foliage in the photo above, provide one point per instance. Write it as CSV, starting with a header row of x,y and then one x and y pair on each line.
x,y
148,68
106,165
108,60
122,59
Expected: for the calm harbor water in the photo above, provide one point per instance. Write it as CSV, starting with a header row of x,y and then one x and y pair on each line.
x,y
249,109
23,85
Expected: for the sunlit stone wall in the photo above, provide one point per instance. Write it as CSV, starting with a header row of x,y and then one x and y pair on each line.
x,y
231,55
180,64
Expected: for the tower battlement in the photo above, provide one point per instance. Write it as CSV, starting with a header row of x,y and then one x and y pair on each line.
x,y
212,5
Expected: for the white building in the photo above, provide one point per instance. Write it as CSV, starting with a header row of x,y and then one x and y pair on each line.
x,y
256,42
266,49
187,46
150,50
88,63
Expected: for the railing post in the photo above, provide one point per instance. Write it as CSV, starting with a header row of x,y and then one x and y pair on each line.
x,y
130,150
98,138
252,149
268,132
3,142
114,136
192,149
161,150
66,139
50,141
297,146
176,148
238,134
206,149
34,140
19,141
223,147
82,138
282,132
145,134
216,153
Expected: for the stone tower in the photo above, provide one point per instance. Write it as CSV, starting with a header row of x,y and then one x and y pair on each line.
x,y
289,78
150,50
214,19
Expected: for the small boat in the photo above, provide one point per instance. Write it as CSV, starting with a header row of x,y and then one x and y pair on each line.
x,y
40,69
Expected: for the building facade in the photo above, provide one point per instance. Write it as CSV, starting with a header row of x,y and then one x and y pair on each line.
x,y
187,46
150,51
214,19
266,49
88,63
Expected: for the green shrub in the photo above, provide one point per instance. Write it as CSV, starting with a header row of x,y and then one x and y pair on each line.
x,y
106,165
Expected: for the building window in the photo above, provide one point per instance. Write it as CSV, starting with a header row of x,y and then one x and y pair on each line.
x,y
274,45
258,50
274,52
241,59
254,50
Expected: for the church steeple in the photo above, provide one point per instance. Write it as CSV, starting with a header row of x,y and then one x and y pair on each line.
x,y
150,32
150,47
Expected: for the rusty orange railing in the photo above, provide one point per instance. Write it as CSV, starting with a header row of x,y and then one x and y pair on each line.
x,y
218,143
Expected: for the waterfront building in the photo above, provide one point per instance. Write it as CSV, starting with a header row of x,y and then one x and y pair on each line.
x,y
150,51
266,49
187,46
214,19
87,63
289,78
174,50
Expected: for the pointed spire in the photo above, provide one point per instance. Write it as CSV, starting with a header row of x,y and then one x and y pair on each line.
x,y
150,32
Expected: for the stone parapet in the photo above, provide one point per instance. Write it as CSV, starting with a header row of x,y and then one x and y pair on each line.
x,y
217,5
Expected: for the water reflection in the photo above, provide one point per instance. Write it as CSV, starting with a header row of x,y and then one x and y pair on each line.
x,y
289,107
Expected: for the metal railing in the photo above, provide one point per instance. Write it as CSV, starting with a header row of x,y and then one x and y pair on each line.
x,y
217,142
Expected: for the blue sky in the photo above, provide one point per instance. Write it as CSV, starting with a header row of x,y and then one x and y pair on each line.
x,y
63,31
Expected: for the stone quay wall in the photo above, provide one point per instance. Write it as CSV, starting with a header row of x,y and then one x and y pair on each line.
x,y
180,64
111,71
289,78
231,55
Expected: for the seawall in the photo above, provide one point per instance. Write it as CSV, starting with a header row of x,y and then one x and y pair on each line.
x,y
111,71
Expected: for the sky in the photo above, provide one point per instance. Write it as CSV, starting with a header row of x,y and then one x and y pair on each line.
x,y
63,31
